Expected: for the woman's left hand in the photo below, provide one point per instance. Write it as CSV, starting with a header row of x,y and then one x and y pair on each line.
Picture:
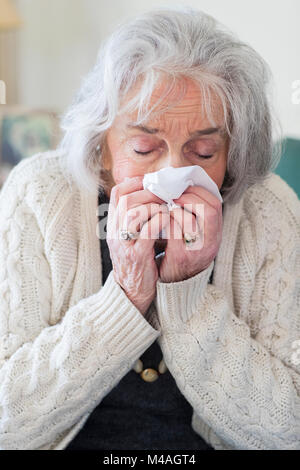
x,y
200,212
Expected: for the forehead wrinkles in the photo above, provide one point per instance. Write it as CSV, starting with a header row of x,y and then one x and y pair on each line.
x,y
185,96
188,114
191,102
178,123
185,113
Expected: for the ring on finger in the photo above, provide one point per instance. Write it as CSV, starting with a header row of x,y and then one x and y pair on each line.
x,y
126,235
190,238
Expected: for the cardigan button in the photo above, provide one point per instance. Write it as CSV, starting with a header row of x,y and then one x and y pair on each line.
x,y
162,368
138,366
149,375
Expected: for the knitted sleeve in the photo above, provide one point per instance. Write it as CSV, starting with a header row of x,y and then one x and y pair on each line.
x,y
51,376
240,369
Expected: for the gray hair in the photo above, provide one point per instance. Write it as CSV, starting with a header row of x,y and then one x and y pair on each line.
x,y
175,43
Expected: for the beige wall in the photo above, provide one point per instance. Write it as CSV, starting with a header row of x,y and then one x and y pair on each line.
x,y
9,65
59,42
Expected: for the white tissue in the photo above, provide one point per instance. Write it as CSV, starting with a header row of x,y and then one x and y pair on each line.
x,y
169,183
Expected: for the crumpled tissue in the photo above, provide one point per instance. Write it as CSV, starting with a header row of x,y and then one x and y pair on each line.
x,y
169,183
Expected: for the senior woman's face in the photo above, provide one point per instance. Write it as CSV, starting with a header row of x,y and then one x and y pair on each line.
x,y
181,136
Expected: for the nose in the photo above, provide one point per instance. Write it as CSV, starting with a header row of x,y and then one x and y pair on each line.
x,y
174,159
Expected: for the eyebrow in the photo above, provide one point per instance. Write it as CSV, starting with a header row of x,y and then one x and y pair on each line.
x,y
150,130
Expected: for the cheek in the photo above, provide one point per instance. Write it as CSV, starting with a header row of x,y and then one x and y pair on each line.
x,y
220,172
217,172
123,166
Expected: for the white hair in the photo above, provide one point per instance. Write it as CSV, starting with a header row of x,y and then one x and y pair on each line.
x,y
175,43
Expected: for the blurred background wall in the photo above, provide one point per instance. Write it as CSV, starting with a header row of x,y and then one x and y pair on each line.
x,y
46,58
59,39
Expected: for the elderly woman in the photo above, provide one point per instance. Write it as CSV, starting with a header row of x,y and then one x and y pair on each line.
x,y
105,345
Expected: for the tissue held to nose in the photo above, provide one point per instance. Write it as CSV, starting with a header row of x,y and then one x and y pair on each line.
x,y
169,183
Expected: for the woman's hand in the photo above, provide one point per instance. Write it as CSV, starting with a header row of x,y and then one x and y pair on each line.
x,y
202,215
137,210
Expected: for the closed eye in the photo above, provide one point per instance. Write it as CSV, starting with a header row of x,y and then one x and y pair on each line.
x,y
150,151
143,153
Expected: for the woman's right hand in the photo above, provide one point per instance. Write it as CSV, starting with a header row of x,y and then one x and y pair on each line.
x,y
135,209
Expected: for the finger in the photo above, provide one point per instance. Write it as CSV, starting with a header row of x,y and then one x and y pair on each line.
x,y
189,241
151,231
192,203
191,238
202,211
203,193
176,241
135,218
136,199
119,190
186,220
143,196
129,186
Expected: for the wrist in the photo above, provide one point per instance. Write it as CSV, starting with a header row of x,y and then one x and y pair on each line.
x,y
177,301
142,306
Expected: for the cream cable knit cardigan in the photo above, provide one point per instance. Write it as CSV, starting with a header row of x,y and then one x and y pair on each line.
x,y
65,341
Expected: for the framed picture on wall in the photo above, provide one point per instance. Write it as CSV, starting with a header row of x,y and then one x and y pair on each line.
x,y
25,132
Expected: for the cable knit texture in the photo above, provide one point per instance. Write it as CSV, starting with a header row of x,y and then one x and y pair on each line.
x,y
67,340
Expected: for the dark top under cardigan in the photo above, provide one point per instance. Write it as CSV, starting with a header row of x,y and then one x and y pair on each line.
x,y
136,414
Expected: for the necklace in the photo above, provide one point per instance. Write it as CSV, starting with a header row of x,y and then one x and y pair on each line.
x,y
149,374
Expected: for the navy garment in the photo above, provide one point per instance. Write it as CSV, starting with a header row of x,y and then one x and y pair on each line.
x,y
136,414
